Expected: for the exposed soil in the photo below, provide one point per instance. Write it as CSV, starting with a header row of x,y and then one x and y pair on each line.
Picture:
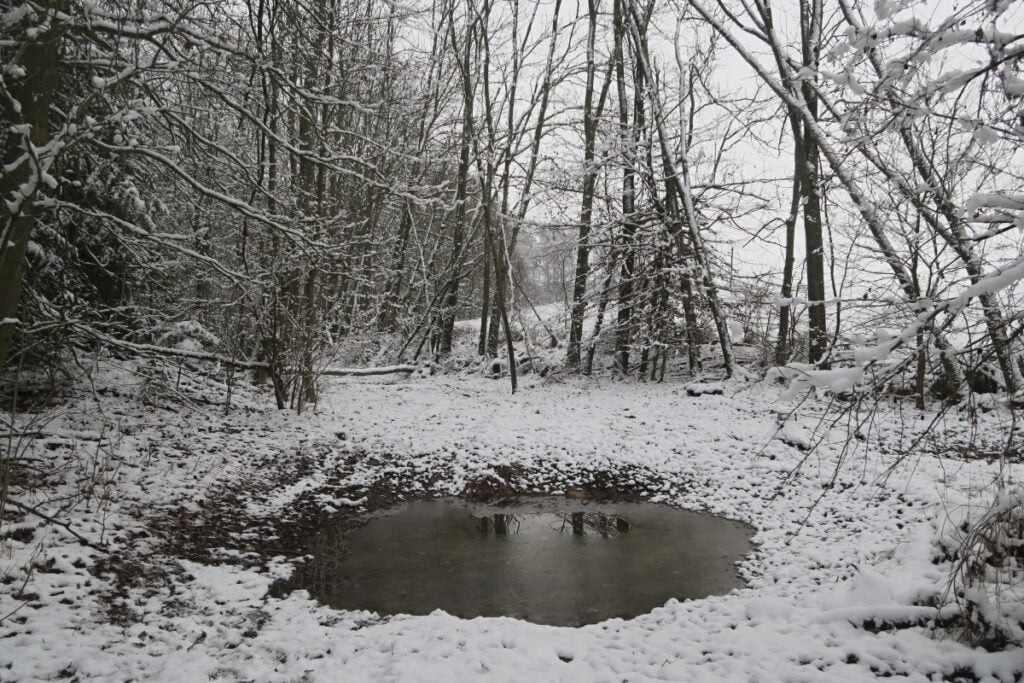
x,y
203,530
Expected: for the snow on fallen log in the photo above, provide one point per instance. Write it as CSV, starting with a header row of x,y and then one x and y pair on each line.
x,y
794,434
183,353
705,388
193,354
364,372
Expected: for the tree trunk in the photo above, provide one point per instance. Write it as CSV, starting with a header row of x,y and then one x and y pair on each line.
x,y
588,367
497,238
582,272
810,186
485,308
785,310
628,137
692,327
33,91
389,316
451,300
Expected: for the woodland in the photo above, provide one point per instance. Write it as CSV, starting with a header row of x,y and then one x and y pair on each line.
x,y
812,206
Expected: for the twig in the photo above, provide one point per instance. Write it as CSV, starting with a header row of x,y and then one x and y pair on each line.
x,y
53,520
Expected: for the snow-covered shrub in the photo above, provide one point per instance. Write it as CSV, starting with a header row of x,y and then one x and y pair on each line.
x,y
988,583
185,335
156,387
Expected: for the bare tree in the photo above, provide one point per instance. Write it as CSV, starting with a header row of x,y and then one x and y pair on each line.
x,y
593,106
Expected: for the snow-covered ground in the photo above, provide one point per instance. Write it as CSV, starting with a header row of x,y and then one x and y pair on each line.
x,y
846,557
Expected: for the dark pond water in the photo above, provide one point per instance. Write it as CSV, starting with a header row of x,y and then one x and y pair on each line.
x,y
546,560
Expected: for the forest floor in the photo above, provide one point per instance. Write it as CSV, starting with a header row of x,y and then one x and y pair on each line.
x,y
181,516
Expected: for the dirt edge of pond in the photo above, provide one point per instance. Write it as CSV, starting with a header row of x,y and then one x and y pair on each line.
x,y
221,527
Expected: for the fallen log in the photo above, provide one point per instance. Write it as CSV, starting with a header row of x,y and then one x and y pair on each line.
x,y
182,353
366,372
248,364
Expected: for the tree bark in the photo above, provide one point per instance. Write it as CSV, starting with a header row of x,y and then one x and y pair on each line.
x,y
785,310
482,348
451,299
628,140
588,366
591,114
810,186
33,91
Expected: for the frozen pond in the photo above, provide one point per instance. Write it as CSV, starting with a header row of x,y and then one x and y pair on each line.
x,y
546,560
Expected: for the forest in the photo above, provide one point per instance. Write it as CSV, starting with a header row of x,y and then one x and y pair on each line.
x,y
269,267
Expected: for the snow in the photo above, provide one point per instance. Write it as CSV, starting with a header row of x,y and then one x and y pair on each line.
x,y
986,135
804,376
736,332
16,14
702,388
841,541
1014,86
795,434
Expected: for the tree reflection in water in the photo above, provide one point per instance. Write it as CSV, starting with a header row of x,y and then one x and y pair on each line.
x,y
576,523
548,560
500,524
599,523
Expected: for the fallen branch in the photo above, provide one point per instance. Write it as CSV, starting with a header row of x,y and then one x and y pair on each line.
x,y
364,372
38,513
184,353
246,364
76,436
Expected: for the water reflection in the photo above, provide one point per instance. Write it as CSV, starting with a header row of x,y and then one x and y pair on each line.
x,y
499,524
576,523
604,525
547,560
